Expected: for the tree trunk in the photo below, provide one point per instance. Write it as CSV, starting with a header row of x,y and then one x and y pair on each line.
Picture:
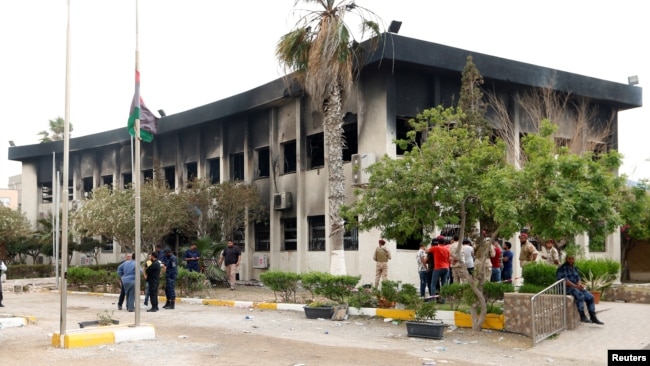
x,y
333,132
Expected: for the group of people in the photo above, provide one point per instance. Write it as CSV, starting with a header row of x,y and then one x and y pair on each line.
x,y
164,261
442,262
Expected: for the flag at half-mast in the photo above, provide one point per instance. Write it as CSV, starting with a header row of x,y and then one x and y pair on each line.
x,y
148,121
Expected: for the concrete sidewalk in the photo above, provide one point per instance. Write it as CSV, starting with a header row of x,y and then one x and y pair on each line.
x,y
627,326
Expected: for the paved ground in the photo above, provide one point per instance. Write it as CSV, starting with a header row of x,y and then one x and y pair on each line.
x,y
286,338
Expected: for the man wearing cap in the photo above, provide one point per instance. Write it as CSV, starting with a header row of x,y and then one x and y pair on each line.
x,y
528,252
382,256
171,263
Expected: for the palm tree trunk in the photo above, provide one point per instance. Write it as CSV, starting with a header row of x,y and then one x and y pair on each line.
x,y
333,120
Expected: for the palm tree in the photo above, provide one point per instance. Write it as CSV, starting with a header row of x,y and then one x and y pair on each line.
x,y
325,57
56,130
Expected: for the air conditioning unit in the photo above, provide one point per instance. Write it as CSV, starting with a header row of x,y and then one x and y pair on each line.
x,y
282,201
360,164
260,261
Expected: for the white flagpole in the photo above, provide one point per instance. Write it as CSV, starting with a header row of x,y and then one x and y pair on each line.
x,y
136,173
64,187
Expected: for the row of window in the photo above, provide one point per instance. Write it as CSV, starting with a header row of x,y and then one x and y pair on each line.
x,y
290,236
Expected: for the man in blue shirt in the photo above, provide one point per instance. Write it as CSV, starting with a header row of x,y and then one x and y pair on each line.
x,y
569,272
170,278
192,258
506,258
126,271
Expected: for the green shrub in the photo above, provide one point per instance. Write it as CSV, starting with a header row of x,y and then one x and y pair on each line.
x,y
455,294
362,298
285,283
539,274
527,288
337,288
388,291
598,267
188,282
494,291
16,271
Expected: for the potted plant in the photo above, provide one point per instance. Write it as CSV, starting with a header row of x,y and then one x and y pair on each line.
x,y
336,288
425,324
598,275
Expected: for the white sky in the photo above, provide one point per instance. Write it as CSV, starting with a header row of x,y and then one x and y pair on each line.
x,y
193,52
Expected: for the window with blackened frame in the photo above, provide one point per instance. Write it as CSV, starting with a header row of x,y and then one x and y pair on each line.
x,y
127,179
289,152
402,127
351,138
215,170
316,233
237,166
289,234
191,171
262,237
315,151
170,176
263,163
88,186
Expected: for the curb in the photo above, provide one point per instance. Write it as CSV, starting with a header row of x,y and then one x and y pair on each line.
x,y
11,321
88,337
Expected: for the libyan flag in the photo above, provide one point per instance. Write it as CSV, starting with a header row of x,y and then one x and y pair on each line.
x,y
148,121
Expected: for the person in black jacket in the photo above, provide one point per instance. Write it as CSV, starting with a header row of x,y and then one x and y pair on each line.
x,y
152,275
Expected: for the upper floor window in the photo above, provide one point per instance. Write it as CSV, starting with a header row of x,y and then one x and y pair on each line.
x,y
191,171
214,170
237,166
263,162
87,186
315,151
170,177
127,179
289,152
351,138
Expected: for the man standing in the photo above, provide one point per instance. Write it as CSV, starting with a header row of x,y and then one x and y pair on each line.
x,y
381,256
120,299
528,252
152,276
457,258
506,273
569,272
126,272
171,272
421,258
3,267
550,254
496,262
232,256
441,257
192,258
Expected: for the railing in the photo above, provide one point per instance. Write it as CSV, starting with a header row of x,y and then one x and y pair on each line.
x,y
549,311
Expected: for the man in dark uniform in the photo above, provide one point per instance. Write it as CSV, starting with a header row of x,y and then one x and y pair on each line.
x,y
152,275
171,264
192,258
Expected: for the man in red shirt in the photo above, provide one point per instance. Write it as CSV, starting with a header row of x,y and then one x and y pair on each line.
x,y
496,262
440,264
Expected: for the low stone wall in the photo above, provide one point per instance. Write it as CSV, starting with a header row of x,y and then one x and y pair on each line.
x,y
518,317
639,294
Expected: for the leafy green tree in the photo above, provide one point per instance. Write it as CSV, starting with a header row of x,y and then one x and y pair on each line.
x,y
57,127
635,211
13,226
568,194
324,55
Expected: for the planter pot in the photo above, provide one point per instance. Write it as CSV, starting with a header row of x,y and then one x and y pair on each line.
x,y
316,312
433,330
95,323
596,295
492,321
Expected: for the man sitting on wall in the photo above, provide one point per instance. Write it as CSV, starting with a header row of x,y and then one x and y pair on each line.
x,y
574,287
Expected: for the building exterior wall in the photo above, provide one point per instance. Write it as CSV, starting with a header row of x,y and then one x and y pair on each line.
x,y
381,96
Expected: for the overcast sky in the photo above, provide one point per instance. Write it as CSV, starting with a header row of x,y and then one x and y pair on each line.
x,y
194,52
